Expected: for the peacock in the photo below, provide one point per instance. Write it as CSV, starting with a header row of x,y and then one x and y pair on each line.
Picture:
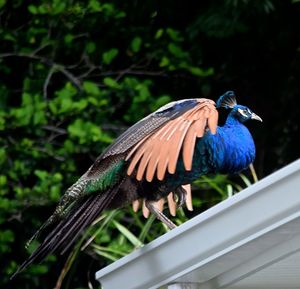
x,y
155,159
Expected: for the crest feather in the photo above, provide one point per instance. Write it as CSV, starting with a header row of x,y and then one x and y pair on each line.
x,y
227,100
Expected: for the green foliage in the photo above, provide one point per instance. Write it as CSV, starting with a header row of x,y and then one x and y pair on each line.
x,y
109,55
136,44
74,74
64,103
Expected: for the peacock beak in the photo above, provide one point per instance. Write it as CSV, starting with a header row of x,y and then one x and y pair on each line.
x,y
256,117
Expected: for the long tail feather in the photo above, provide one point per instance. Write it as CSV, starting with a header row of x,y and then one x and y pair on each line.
x,y
67,230
74,192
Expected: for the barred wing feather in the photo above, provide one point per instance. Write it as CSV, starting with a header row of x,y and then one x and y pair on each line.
x,y
159,152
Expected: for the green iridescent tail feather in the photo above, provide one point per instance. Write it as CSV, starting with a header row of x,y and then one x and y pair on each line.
x,y
85,185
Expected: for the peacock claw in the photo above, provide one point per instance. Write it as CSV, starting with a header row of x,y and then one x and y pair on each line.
x,y
180,193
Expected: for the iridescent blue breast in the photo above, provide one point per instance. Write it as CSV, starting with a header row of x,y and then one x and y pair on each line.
x,y
231,149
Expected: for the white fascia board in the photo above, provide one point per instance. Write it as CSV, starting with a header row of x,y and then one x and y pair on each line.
x,y
217,241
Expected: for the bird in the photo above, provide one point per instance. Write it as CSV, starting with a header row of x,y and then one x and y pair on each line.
x,y
155,159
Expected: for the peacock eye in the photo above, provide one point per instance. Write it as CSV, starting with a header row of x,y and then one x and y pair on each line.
x,y
243,112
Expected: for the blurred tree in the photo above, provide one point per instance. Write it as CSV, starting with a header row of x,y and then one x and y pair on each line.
x,y
74,74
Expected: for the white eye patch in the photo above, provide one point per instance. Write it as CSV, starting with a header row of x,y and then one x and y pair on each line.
x,y
242,112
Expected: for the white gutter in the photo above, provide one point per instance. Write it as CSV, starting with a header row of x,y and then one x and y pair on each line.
x,y
226,243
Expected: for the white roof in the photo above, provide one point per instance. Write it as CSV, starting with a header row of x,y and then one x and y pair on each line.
x,y
251,240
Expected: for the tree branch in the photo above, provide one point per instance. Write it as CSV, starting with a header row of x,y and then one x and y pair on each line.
x,y
59,67
47,81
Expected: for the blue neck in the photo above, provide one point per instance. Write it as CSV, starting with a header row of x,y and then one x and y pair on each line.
x,y
232,148
232,120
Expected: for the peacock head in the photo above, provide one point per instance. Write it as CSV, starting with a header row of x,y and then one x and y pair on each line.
x,y
239,112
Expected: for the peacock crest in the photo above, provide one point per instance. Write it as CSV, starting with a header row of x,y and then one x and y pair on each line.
x,y
227,100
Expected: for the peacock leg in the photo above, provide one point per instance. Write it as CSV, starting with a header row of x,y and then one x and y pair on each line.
x,y
159,214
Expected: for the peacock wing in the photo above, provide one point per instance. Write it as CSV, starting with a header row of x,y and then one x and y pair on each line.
x,y
138,133
158,152
148,125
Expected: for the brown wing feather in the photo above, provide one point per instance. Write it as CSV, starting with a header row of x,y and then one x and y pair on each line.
x,y
153,162
144,163
162,163
188,147
175,145
160,151
136,159
212,121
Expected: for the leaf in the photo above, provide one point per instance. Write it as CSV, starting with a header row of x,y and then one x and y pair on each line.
x,y
80,105
2,3
144,92
136,44
146,228
9,37
44,9
76,130
111,83
2,122
176,50
68,38
201,72
69,146
68,91
42,175
120,14
174,35
91,88
109,55
164,61
66,104
87,132
58,7
32,9
3,180
39,117
229,189
111,250
55,193
159,33
108,8
94,5
245,180
2,155
131,238
6,237
90,47
106,219
106,255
